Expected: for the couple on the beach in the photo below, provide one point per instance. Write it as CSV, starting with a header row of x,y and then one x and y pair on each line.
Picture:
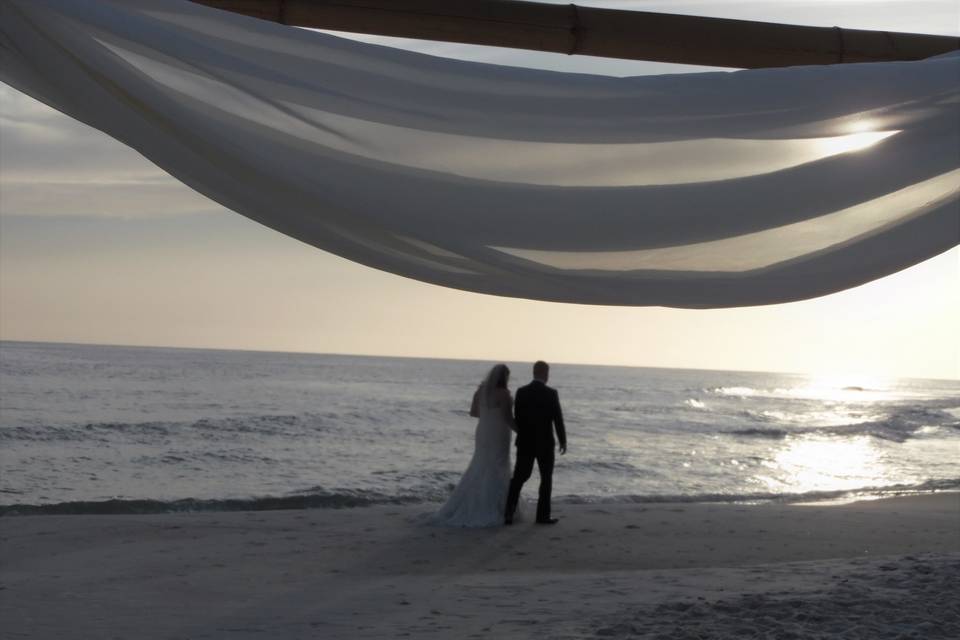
x,y
487,495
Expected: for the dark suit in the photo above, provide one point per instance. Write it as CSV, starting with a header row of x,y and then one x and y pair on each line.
x,y
537,412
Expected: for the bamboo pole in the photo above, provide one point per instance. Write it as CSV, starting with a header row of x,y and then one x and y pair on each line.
x,y
570,29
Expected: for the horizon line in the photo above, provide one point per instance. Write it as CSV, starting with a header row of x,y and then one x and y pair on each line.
x,y
425,357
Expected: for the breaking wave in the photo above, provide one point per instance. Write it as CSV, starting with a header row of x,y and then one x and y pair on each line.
x,y
332,500
900,426
271,424
930,486
360,498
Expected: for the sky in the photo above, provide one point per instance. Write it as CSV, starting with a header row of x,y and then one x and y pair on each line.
x,y
97,245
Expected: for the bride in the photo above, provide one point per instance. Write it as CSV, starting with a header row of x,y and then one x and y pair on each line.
x,y
481,495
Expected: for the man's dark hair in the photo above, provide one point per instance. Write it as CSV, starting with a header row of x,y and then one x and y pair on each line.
x,y
540,369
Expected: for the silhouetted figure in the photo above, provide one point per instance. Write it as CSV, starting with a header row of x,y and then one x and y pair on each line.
x,y
481,495
537,412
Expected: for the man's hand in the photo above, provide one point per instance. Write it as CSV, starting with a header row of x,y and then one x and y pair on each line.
x,y
563,449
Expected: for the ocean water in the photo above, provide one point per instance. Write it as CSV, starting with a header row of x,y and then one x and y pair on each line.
x,y
101,428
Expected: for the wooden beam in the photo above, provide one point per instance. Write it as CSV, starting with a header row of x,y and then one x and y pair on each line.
x,y
611,33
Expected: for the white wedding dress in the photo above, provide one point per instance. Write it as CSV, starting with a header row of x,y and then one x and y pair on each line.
x,y
481,495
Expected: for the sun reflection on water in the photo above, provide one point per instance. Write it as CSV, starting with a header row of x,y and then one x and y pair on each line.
x,y
806,465
845,388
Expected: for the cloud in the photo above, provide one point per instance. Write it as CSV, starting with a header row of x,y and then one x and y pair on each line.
x,y
51,164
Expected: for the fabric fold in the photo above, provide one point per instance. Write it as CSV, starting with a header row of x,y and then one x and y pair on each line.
x,y
690,190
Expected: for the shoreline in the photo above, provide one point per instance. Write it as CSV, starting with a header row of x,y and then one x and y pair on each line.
x,y
359,500
377,572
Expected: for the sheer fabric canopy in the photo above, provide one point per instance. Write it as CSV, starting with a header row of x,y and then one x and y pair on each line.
x,y
695,190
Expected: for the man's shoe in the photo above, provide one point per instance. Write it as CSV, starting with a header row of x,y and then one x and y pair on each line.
x,y
548,521
508,520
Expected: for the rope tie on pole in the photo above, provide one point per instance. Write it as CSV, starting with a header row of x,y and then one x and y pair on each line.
x,y
893,43
575,29
841,44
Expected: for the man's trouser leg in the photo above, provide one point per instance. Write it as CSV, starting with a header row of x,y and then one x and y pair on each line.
x,y
545,464
521,473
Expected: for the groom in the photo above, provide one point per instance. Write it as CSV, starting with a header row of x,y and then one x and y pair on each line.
x,y
537,412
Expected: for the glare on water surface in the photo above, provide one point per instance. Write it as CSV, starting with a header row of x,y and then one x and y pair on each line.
x,y
830,463
844,388
822,464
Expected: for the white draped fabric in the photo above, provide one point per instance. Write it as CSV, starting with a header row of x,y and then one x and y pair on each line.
x,y
695,190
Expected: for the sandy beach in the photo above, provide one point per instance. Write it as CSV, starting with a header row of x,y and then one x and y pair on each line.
x,y
874,569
